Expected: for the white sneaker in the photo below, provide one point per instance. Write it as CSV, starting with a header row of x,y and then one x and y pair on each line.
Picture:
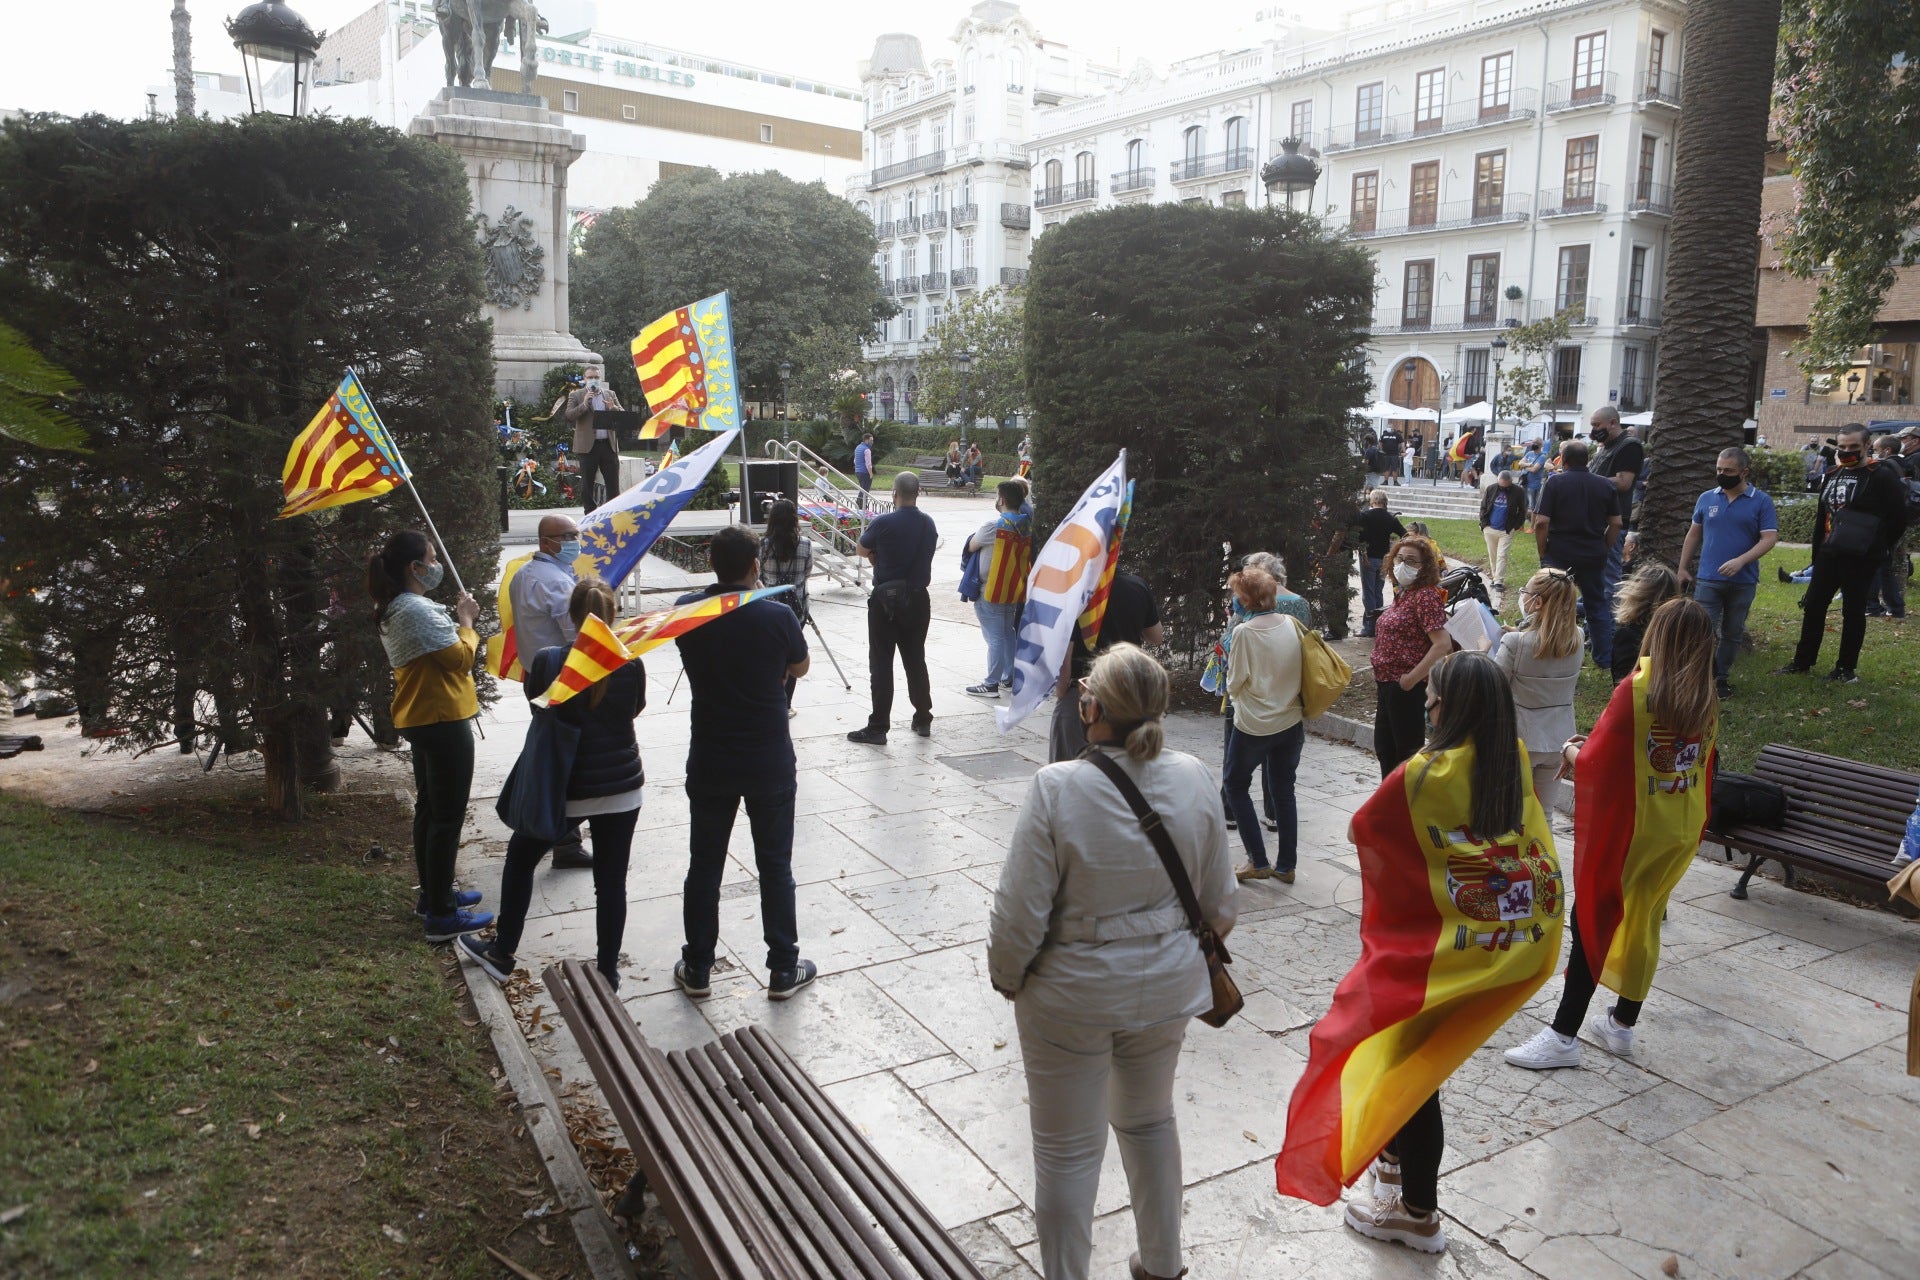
x,y
1548,1049
1614,1038
1386,1178
1391,1220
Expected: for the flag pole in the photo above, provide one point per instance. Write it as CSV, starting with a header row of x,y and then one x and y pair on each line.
x,y
406,475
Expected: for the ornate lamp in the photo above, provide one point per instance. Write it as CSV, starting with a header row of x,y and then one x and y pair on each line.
x,y
1290,172
269,36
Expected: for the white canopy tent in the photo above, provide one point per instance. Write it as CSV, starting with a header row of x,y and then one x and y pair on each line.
x,y
1637,419
1400,412
1478,411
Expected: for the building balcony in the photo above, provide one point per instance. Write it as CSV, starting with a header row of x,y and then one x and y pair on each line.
x,y
906,286
1660,89
1013,276
932,162
1652,197
907,226
1643,312
1439,217
1581,313
965,277
935,221
1199,168
965,215
1582,92
1575,201
1132,180
1458,118
1067,193
933,282
1440,320
1016,217
883,230
1636,394
997,151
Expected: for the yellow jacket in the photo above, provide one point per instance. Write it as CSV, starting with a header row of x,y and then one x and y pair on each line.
x,y
438,686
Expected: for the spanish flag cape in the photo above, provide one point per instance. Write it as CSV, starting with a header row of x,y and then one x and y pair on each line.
x,y
1457,931
1639,801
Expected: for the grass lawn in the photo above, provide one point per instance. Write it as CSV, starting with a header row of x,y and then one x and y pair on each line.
x,y
1877,720
227,1052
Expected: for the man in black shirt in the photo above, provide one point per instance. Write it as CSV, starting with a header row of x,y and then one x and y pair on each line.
x,y
1378,528
1577,525
1863,511
900,544
1391,446
738,666
1132,618
1618,461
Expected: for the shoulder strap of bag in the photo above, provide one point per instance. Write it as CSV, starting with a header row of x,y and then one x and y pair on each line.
x,y
1156,832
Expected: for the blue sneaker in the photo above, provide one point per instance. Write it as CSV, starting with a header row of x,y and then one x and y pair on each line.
x,y
489,956
784,984
461,898
447,928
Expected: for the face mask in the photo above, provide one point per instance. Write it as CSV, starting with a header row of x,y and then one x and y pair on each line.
x,y
1406,574
569,551
1727,481
1849,457
430,576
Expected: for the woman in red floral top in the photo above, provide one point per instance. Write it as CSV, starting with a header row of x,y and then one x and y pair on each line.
x,y
1407,640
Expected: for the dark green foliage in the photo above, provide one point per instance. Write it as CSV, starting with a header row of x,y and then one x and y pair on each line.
x,y
1215,346
1796,519
796,259
208,284
1781,472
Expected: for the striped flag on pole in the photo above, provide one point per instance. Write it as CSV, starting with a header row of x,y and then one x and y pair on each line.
x,y
596,654
343,455
1096,611
651,630
685,362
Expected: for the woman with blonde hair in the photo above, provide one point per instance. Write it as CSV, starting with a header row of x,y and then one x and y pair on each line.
x,y
1263,679
1409,636
1088,938
1542,660
604,788
1640,803
1648,587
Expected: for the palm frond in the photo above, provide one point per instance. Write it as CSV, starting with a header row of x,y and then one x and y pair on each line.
x,y
29,384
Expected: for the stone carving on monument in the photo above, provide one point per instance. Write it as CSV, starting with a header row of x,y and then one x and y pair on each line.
x,y
515,260
470,35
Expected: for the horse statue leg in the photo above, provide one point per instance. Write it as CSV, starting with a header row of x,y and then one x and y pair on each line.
x,y
478,44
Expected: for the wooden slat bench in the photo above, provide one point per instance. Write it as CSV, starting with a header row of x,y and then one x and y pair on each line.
x,y
762,1177
933,475
1844,818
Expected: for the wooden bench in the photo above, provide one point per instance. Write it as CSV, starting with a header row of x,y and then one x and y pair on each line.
x,y
933,474
1844,819
762,1177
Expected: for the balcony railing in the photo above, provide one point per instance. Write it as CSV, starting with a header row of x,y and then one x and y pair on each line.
x,y
1636,393
928,163
966,277
1440,217
1439,320
1565,392
935,221
1641,311
965,215
1194,168
1581,313
1575,201
1662,87
1067,193
883,230
906,286
1454,119
1652,197
907,226
1586,91
1017,217
1133,180
933,282
1013,275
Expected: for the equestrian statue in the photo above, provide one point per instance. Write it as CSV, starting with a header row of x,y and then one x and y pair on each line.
x,y
470,32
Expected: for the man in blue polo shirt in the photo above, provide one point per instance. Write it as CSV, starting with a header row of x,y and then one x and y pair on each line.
x,y
863,469
1733,526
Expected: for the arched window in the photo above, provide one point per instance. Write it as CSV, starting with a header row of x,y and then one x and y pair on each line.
x,y
913,201
1016,71
1054,179
1193,144
886,397
973,70
913,395
1236,139
1083,174
1136,160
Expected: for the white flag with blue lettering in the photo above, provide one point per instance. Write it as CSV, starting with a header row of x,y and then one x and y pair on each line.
x,y
1064,575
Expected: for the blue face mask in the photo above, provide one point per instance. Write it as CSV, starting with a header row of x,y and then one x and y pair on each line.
x,y
430,576
569,551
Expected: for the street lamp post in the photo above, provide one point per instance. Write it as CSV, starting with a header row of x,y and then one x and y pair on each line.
x,y
1499,353
1290,172
965,360
1853,385
269,35
786,400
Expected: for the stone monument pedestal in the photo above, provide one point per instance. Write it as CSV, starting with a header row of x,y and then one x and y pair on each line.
x,y
517,153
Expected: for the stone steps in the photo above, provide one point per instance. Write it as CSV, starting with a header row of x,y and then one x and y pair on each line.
x,y
1445,501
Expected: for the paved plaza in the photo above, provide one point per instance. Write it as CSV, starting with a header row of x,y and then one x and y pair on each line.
x,y
1764,1129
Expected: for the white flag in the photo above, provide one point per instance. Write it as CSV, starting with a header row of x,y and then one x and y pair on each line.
x,y
1064,576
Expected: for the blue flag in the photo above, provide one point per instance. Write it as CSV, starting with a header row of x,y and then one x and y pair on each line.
x,y
615,537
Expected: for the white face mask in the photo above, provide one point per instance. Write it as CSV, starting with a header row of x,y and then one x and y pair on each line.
x,y
1406,574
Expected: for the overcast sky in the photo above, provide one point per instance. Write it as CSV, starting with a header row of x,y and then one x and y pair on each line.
x,y
103,55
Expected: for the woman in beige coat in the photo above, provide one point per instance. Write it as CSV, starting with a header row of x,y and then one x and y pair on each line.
x,y
1542,661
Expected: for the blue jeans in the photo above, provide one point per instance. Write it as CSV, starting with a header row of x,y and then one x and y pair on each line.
x,y
1728,603
1590,577
1372,598
1266,783
1616,566
1000,624
770,814
1280,753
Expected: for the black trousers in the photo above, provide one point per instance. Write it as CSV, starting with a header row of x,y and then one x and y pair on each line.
x,y
1852,577
442,781
1417,1149
600,462
897,618
1399,722
612,849
1578,993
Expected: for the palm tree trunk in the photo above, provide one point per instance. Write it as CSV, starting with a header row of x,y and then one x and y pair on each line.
x,y
182,62
1713,254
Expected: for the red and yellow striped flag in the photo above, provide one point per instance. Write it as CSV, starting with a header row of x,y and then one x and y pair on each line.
x,y
1095,613
596,654
1457,931
503,655
685,364
651,630
342,456
1009,561
1627,857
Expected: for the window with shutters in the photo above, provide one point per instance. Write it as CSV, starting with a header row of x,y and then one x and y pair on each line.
x,y
1490,184
1369,108
1656,61
1570,281
1366,201
1236,142
1429,99
1483,287
1473,375
1496,84
1589,66
1416,297
1300,120
1583,166
1423,194
1637,282
1643,179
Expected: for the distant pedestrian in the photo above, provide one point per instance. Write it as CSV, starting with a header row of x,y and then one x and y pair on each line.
x,y
1619,461
1542,658
542,594
1408,639
975,465
431,648
1392,446
997,557
956,466
1503,513
786,560
1640,596
740,752
596,444
1375,462
1889,599
1575,528
1734,525
900,544
863,469
1533,466
1024,453
1263,677
1378,529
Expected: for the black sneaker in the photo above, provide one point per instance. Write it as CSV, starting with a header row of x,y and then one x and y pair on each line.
x,y
1843,675
1784,575
1232,825
447,928
488,955
984,690
572,857
694,982
923,727
461,898
1791,669
872,737
784,984
1722,688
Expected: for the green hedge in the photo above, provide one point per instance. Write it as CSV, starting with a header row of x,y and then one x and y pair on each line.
x,y
1796,518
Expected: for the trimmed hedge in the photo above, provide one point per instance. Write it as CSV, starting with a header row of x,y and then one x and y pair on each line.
x,y
1796,518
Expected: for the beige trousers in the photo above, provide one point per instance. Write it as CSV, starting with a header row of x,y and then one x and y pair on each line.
x,y
1497,540
1080,1080
1545,785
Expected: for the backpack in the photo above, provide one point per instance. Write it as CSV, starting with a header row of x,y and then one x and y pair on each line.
x,y
1324,674
1741,798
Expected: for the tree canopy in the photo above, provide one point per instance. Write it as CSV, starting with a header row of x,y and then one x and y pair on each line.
x,y
1219,348
794,258
208,284
991,328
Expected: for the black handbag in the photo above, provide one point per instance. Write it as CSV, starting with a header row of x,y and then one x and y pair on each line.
x,y
1227,999
533,800
1854,533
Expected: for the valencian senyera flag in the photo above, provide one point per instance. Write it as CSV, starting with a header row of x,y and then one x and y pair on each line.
x,y
596,654
1065,572
342,456
1009,560
651,630
1096,611
614,537
503,655
685,361
1457,931
1642,794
